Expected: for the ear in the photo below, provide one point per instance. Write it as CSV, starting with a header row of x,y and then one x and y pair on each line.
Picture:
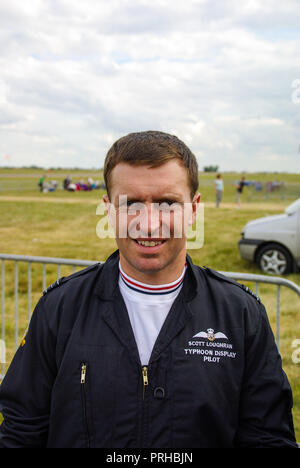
x,y
195,206
106,203
110,211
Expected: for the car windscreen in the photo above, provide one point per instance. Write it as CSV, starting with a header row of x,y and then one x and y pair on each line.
x,y
295,206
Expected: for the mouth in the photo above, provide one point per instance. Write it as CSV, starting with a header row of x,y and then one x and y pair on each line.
x,y
149,243
152,245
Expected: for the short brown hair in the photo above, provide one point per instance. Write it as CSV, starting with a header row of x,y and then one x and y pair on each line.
x,y
151,148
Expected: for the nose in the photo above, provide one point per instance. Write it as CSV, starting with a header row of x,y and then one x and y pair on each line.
x,y
150,221
146,223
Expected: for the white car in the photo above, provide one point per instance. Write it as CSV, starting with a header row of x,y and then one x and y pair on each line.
x,y
273,242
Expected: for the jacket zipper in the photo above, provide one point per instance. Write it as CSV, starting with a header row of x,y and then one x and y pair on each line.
x,y
144,416
145,379
83,399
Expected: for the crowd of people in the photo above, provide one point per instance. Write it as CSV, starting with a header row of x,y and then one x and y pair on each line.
x,y
68,184
75,186
71,186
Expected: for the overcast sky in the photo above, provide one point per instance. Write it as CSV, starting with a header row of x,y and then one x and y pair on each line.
x,y
224,76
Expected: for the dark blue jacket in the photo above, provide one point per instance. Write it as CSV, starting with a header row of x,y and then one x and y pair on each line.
x,y
77,380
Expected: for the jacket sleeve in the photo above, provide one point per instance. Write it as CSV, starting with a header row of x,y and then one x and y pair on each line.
x,y
266,398
26,388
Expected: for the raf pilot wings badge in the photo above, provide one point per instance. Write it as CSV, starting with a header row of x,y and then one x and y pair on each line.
x,y
210,335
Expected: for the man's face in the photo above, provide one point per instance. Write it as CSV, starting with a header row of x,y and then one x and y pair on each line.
x,y
149,207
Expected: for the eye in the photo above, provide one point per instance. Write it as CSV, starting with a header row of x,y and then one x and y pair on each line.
x,y
170,205
168,201
134,207
127,203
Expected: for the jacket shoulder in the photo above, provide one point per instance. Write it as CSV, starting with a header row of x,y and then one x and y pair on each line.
x,y
66,279
220,277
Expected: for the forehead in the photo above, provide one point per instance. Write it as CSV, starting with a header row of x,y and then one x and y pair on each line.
x,y
144,181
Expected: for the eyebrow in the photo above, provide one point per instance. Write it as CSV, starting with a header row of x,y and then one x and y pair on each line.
x,y
159,199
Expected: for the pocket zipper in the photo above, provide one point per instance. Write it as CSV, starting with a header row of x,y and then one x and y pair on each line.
x,y
83,374
83,398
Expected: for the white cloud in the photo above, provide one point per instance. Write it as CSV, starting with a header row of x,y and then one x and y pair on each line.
x,y
77,75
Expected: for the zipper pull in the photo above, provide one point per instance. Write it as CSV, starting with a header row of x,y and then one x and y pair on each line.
x,y
83,373
145,379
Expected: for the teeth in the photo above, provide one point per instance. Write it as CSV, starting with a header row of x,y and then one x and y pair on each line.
x,y
149,243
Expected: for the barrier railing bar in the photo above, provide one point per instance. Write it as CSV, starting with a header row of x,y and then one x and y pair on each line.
x,y
16,305
29,292
50,260
44,276
250,277
3,310
278,318
234,275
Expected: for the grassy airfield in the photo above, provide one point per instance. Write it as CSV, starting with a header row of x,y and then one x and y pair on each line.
x,y
63,224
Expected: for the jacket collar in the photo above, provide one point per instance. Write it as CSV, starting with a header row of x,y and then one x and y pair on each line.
x,y
108,285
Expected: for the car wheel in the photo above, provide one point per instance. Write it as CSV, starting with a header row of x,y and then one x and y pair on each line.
x,y
274,260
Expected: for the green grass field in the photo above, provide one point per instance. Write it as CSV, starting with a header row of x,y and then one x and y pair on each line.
x,y
63,224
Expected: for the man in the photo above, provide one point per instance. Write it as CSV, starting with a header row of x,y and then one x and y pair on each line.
x,y
41,182
219,188
147,349
239,191
67,181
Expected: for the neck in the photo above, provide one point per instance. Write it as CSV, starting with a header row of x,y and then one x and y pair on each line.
x,y
165,275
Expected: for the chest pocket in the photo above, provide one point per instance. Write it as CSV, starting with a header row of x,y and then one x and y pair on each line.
x,y
210,368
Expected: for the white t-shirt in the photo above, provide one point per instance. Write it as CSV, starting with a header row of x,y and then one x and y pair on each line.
x,y
219,184
148,307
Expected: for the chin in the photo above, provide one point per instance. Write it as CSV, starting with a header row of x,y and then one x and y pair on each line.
x,y
147,265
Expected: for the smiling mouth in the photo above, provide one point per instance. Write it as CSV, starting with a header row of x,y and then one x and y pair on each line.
x,y
149,243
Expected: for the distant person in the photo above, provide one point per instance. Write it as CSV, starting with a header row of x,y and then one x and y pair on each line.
x,y
41,182
219,188
239,190
50,186
53,186
67,182
269,187
83,185
72,187
90,183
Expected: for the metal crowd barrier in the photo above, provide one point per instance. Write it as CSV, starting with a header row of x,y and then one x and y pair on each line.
x,y
29,260
246,277
276,280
